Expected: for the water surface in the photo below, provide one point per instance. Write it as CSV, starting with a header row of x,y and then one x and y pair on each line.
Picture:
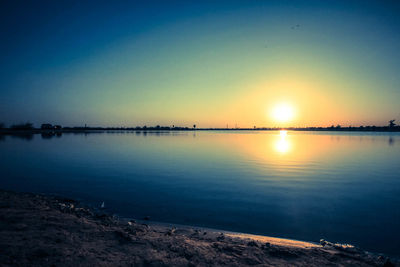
x,y
343,187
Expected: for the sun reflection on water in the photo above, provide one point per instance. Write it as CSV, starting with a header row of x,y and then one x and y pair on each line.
x,y
282,145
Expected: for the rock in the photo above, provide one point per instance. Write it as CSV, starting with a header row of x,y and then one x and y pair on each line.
x,y
171,231
252,244
221,237
323,242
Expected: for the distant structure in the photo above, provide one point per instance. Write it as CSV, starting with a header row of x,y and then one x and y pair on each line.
x,y
391,123
46,126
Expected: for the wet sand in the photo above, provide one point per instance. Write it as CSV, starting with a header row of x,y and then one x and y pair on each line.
x,y
37,230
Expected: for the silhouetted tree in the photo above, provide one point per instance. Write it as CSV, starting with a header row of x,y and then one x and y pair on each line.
x,y
391,123
194,126
22,126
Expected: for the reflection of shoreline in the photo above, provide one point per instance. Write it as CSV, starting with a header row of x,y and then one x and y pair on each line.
x,y
391,141
283,145
47,134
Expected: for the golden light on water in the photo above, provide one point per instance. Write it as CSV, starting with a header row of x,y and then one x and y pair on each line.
x,y
283,133
282,145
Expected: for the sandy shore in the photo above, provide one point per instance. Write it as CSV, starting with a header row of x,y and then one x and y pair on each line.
x,y
38,230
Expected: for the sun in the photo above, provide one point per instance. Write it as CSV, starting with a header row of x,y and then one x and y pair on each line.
x,y
283,112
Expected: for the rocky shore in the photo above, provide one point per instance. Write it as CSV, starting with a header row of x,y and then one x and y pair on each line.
x,y
37,230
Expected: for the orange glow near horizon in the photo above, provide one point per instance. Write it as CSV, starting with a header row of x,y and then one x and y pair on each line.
x,y
290,100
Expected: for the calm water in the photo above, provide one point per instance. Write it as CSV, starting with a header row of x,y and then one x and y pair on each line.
x,y
342,187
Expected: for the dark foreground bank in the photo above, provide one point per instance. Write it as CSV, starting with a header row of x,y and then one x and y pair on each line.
x,y
38,230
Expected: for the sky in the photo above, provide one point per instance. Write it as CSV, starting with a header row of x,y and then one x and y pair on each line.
x,y
209,63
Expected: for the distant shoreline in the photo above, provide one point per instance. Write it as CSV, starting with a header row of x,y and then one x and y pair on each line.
x,y
8,131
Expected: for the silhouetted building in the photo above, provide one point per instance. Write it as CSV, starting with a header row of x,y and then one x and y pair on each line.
x,y
46,126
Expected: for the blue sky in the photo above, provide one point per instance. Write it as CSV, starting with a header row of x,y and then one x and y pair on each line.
x,y
209,63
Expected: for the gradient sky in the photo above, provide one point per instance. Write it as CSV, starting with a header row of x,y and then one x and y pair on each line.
x,y
210,63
